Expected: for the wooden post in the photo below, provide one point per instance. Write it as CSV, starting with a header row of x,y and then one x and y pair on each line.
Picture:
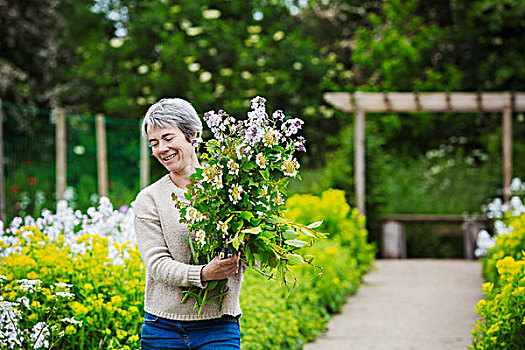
x,y
471,227
61,144
102,161
359,159
2,193
144,162
507,152
393,243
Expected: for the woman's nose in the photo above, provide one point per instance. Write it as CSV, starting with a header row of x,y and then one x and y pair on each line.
x,y
163,146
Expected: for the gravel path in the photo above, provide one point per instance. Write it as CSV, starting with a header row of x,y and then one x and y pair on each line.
x,y
408,304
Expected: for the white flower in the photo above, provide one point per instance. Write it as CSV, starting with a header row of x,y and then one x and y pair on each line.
x,y
258,102
200,235
279,200
484,242
193,215
211,14
29,285
515,186
271,137
233,167
223,227
24,301
39,335
63,285
71,320
235,193
65,294
264,191
116,42
213,175
290,166
243,151
205,77
261,161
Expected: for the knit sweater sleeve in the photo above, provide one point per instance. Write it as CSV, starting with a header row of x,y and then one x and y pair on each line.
x,y
156,255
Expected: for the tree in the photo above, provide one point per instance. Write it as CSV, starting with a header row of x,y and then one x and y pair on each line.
x,y
30,51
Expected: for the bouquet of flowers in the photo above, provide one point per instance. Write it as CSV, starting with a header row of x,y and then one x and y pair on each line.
x,y
236,201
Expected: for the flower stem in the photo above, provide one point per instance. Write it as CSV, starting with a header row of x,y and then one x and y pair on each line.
x,y
259,271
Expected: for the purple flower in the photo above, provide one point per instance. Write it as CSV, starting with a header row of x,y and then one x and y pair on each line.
x,y
253,134
292,126
279,115
299,144
258,102
212,119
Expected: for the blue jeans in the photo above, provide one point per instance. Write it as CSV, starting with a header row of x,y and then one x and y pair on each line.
x,y
161,333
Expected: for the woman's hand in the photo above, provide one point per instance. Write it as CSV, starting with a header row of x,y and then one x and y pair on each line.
x,y
218,269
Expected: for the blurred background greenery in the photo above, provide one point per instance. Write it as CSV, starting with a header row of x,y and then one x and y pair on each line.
x,y
117,57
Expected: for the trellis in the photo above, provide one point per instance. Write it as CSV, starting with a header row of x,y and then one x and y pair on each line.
x,y
361,103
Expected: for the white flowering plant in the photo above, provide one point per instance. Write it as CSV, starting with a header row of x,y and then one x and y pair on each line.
x,y
236,200
35,319
501,213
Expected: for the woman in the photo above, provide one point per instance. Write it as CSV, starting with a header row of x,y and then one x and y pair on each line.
x,y
171,126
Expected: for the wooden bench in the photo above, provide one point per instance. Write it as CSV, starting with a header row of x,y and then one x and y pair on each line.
x,y
393,243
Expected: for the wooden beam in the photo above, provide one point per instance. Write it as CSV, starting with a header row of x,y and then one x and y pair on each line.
x,y
507,153
102,160
407,102
359,160
61,144
340,100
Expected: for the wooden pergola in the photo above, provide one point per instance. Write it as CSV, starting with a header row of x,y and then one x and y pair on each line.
x,y
361,103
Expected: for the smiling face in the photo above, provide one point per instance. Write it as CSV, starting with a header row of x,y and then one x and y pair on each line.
x,y
172,149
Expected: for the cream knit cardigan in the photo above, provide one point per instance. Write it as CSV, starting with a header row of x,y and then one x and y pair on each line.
x,y
166,255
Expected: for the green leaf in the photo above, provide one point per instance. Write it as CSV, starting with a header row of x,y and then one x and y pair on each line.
x,y
315,224
296,243
255,222
290,234
294,259
237,240
211,285
237,225
246,215
253,230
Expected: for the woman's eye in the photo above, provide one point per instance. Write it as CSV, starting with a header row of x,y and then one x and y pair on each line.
x,y
153,145
168,139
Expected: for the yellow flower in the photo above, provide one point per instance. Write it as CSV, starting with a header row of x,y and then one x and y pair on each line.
x,y
32,275
71,330
121,334
134,338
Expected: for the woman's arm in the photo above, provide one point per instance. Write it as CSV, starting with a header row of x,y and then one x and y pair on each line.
x,y
154,250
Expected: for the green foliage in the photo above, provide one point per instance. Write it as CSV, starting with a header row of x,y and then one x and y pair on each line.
x,y
502,325
109,297
502,322
343,224
400,52
212,53
272,321
28,302
507,245
488,41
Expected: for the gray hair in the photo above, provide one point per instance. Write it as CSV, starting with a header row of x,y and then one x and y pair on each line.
x,y
170,112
